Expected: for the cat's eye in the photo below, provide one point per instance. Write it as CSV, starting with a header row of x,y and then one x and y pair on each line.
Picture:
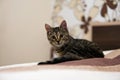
x,y
53,37
61,35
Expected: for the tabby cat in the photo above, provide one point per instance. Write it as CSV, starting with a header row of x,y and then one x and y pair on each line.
x,y
68,48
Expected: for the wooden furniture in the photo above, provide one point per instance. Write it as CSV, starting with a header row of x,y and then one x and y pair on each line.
x,y
107,34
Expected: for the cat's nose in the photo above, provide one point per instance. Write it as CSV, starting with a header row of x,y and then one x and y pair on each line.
x,y
58,42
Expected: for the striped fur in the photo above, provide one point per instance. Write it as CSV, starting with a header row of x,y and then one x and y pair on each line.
x,y
69,48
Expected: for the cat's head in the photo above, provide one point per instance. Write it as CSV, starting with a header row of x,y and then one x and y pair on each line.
x,y
57,36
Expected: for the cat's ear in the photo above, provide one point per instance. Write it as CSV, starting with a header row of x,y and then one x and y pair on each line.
x,y
63,24
47,27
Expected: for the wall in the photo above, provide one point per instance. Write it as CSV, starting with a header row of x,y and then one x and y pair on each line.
x,y
22,34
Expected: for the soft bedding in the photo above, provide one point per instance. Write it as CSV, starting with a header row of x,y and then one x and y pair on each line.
x,y
107,68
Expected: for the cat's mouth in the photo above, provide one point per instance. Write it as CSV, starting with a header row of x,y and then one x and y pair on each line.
x,y
58,44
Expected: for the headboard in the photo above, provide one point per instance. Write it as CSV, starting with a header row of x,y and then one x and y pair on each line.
x,y
106,35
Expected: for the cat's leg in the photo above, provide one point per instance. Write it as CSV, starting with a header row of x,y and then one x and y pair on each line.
x,y
55,60
46,62
67,57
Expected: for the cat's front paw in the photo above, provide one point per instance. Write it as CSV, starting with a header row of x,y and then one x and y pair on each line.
x,y
45,63
41,63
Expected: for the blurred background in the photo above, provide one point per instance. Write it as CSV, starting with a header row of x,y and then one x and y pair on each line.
x,y
22,34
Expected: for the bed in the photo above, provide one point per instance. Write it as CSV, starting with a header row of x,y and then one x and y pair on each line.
x,y
89,69
107,68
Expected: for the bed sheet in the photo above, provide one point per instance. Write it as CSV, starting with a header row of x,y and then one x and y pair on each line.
x,y
60,74
63,71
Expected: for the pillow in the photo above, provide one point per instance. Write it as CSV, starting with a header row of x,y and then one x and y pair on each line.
x,y
113,54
